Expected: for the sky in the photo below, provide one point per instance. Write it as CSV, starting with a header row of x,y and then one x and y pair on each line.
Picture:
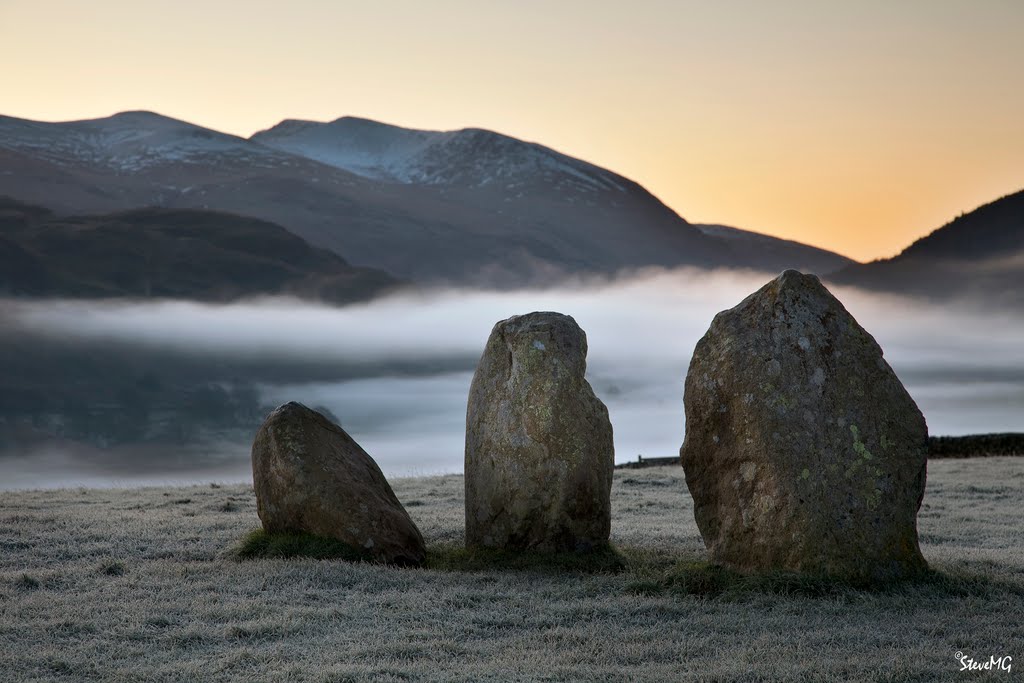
x,y
855,126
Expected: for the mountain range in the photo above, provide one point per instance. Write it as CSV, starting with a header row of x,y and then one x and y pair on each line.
x,y
468,206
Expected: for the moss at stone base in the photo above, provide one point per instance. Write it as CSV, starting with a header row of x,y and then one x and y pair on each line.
x,y
601,560
699,578
262,544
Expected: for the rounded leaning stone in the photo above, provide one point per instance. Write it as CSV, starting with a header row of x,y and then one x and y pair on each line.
x,y
311,476
803,450
539,451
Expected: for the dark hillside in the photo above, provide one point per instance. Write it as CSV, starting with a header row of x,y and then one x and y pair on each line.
x,y
169,254
978,257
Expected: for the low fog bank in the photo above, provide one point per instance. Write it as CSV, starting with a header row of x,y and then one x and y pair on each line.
x,y
58,464
395,372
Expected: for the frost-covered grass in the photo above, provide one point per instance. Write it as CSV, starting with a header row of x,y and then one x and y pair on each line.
x,y
143,584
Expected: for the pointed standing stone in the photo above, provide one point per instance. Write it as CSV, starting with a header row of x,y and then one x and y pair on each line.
x,y
803,450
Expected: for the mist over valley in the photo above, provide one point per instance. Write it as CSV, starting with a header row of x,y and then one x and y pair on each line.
x,y
142,391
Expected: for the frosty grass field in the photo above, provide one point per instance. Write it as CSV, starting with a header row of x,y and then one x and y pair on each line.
x,y
141,584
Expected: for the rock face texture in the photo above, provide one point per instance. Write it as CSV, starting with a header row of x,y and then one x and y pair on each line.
x,y
539,452
803,451
310,476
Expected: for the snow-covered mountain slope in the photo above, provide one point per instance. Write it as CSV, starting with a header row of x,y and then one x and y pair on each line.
x,y
129,142
367,148
469,206
471,157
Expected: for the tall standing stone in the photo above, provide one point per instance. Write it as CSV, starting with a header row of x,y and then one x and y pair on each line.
x,y
803,450
311,476
539,452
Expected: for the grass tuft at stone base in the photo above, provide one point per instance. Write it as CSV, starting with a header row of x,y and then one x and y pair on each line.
x,y
697,578
259,544
647,571
456,558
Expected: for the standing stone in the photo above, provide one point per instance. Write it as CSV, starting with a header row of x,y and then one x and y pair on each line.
x,y
803,451
539,452
310,476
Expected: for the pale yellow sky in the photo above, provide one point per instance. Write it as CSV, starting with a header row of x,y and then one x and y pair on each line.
x,y
856,126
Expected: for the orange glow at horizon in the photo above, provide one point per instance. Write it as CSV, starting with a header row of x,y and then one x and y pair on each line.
x,y
857,127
